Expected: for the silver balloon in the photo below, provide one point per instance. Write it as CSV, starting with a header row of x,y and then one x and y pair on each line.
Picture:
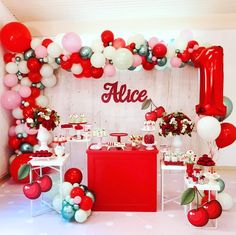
x,y
85,52
19,135
91,195
143,51
29,54
161,62
85,188
26,148
58,60
18,59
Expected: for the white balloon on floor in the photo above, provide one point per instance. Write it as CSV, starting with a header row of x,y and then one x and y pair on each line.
x,y
57,202
81,216
226,201
208,128
66,188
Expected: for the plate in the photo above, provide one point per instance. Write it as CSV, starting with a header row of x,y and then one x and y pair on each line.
x,y
95,147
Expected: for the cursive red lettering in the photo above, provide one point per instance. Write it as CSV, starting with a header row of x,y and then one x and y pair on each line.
x,y
122,94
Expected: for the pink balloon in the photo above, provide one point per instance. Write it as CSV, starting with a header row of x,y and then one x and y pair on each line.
x,y
10,99
30,131
41,51
153,41
24,91
175,62
71,42
137,60
11,131
109,70
10,80
77,199
118,43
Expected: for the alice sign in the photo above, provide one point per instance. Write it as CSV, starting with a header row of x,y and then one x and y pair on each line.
x,y
121,94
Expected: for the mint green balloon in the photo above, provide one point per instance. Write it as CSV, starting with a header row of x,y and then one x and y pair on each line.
x,y
229,109
221,184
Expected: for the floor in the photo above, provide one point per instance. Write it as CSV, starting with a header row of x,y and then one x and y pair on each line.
x,y
15,216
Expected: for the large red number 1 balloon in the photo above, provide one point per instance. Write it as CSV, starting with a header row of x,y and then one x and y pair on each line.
x,y
210,62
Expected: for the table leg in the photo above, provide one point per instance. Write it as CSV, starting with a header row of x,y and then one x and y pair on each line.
x,y
61,181
31,201
162,189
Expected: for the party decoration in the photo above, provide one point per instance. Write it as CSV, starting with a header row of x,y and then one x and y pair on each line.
x,y
208,128
71,42
45,183
227,135
10,99
15,37
226,201
32,190
73,175
123,58
221,183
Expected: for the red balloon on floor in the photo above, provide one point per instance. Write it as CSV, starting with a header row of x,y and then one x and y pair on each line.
x,y
73,175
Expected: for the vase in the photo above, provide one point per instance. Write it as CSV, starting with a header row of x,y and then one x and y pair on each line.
x,y
177,143
43,136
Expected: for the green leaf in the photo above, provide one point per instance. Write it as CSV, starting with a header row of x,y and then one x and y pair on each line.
x,y
188,196
146,104
23,171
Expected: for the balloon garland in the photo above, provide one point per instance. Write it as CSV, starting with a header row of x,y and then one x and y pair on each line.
x,y
31,63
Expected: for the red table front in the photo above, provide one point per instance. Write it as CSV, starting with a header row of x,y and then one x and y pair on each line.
x,y
123,180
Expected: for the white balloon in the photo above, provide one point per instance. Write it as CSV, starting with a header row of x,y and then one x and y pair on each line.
x,y
22,66
12,157
208,128
50,59
42,101
226,201
54,50
58,39
57,202
49,81
17,113
46,70
76,68
25,82
97,46
81,216
66,188
20,55
20,128
11,68
89,212
109,52
36,148
97,60
123,58
55,65
35,42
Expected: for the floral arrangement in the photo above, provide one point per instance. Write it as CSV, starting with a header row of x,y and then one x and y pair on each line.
x,y
176,123
189,157
46,117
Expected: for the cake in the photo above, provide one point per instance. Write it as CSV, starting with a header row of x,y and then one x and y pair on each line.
x,y
75,118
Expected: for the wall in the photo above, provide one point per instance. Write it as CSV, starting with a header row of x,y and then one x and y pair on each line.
x,y
4,116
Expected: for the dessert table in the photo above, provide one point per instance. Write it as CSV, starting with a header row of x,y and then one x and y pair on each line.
x,y
123,180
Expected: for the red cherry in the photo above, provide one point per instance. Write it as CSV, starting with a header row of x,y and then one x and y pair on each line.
x,y
159,111
32,191
86,203
213,208
151,116
198,217
45,183
76,191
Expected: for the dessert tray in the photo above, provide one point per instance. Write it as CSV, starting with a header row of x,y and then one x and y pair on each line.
x,y
111,145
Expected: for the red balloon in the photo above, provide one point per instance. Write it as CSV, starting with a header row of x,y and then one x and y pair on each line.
x,y
35,92
192,43
33,65
46,42
147,65
15,37
31,139
34,76
86,63
86,203
159,50
73,175
75,58
87,72
30,100
78,75
96,72
17,163
227,135
118,43
107,36
8,57
14,143
185,56
28,112
66,64
76,191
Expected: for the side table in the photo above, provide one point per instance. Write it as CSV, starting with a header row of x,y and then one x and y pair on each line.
x,y
163,169
57,164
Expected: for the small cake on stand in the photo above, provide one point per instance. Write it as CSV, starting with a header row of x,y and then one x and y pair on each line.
x,y
99,133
